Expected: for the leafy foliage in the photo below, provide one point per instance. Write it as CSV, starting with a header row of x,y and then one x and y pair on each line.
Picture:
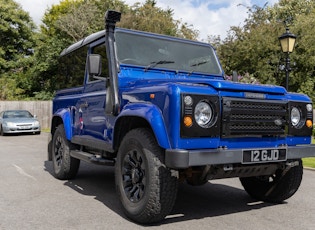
x,y
149,17
251,49
16,47
71,20
255,49
81,18
28,58
247,78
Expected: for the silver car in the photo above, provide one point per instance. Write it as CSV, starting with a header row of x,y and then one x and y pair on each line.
x,y
18,121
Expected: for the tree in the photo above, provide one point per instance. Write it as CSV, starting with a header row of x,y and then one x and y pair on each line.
x,y
252,48
303,56
16,47
86,17
149,17
50,41
71,20
63,24
255,49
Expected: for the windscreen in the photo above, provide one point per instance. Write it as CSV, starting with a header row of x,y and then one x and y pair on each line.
x,y
17,114
166,53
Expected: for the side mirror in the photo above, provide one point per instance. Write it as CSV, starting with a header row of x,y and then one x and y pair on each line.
x,y
94,65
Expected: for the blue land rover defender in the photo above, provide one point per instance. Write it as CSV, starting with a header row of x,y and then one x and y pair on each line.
x,y
159,109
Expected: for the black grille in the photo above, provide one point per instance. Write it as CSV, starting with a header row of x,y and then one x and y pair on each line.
x,y
248,117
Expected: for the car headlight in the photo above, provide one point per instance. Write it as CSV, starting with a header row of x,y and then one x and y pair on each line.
x,y
203,114
9,123
295,116
36,123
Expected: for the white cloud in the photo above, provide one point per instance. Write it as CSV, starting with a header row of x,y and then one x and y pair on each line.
x,y
36,8
209,21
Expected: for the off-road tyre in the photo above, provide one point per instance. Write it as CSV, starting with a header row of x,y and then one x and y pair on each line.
x,y
65,167
146,188
275,188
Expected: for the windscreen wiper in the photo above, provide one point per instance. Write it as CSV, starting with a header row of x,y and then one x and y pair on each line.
x,y
155,63
199,63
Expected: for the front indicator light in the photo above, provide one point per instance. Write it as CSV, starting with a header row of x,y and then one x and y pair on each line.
x,y
188,121
309,124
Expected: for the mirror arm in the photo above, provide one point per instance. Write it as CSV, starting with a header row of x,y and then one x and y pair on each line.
x,y
100,78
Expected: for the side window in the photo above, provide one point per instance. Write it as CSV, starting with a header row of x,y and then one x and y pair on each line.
x,y
72,69
101,50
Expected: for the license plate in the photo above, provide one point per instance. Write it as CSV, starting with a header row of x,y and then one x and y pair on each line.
x,y
24,127
264,155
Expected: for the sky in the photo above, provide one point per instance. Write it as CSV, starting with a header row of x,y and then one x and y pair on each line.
x,y
209,17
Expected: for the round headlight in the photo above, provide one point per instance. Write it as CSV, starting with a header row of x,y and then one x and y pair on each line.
x,y
295,116
203,114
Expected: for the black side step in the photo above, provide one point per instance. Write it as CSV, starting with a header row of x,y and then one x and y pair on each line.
x,y
91,158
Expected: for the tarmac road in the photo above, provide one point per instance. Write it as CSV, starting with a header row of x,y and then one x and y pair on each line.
x,y
31,198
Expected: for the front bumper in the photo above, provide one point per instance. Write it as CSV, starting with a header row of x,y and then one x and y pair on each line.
x,y
15,129
179,158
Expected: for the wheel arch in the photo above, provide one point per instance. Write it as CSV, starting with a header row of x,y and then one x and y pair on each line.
x,y
62,116
141,116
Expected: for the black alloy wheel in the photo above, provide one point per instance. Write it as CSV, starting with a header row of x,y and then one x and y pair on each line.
x,y
65,167
146,188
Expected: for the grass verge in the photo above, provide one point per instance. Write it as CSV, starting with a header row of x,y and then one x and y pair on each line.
x,y
46,130
310,161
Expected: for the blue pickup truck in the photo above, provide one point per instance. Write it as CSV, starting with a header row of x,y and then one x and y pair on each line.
x,y
159,110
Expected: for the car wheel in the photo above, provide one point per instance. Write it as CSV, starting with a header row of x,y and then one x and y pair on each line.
x,y
146,187
277,187
65,167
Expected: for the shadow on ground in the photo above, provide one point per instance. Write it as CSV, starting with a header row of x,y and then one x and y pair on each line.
x,y
193,202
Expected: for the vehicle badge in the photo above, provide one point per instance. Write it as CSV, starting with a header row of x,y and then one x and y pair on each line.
x,y
278,122
255,95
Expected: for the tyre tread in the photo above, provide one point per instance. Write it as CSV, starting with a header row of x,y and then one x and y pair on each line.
x,y
70,165
163,190
282,189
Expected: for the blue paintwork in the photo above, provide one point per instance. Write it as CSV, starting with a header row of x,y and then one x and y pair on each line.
x,y
163,111
64,114
152,114
168,98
